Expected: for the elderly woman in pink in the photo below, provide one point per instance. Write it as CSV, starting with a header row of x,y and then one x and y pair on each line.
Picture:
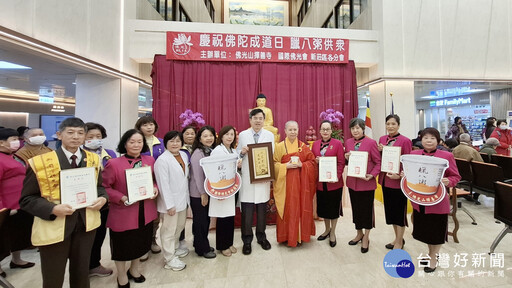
x,y
362,190
431,222
130,223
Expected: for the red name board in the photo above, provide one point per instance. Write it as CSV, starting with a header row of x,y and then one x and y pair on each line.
x,y
266,48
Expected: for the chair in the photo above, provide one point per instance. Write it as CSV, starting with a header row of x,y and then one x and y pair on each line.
x,y
454,193
466,174
486,157
504,162
502,211
485,174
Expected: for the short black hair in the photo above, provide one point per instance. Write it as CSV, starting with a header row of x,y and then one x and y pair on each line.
x,y
432,131
197,144
456,119
256,111
451,143
501,121
325,121
71,122
92,126
393,116
189,127
146,119
121,148
171,135
357,121
223,132
261,95
21,130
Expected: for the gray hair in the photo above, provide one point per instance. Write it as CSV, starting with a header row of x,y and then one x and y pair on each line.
x,y
357,122
290,122
464,137
493,141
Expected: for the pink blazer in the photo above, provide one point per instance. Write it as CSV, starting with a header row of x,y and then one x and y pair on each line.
x,y
406,145
452,173
369,145
121,217
12,174
335,149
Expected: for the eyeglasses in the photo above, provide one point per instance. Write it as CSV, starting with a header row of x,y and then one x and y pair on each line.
x,y
325,130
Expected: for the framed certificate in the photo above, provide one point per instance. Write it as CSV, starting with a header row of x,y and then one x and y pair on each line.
x,y
390,161
261,162
139,182
357,164
78,187
328,169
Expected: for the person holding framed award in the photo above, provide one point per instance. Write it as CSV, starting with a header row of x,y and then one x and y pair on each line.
x,y
171,173
130,221
362,188
60,231
224,209
329,193
203,146
94,135
430,223
395,202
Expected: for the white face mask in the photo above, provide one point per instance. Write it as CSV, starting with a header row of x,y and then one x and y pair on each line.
x,y
93,144
37,140
503,127
14,145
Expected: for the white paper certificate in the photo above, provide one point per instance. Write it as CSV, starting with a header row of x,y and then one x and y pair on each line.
x,y
357,164
328,169
78,187
139,182
391,159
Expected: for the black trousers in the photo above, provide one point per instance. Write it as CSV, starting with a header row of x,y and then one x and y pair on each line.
x,y
200,226
225,232
261,221
77,247
101,232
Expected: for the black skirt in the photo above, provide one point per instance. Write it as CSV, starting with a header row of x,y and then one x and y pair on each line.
x,y
20,230
395,206
430,228
4,239
328,203
132,244
362,209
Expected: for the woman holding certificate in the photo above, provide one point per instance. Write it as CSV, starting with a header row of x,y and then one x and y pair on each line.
x,y
203,145
430,223
330,190
130,221
171,173
224,209
363,158
395,203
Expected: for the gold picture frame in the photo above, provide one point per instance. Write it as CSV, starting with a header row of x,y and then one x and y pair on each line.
x,y
261,162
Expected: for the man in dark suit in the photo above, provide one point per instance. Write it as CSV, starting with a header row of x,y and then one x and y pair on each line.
x,y
60,231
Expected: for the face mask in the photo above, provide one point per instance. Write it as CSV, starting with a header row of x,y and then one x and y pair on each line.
x,y
93,144
37,140
14,145
503,127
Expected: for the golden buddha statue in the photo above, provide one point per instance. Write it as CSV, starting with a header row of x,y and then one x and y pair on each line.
x,y
261,101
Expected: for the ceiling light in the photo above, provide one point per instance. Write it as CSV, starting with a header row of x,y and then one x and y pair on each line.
x,y
9,65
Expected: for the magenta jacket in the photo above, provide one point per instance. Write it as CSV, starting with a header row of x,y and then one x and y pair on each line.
x,y
12,174
369,145
406,145
452,173
335,149
121,217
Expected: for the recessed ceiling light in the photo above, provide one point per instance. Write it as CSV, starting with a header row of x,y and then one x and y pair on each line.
x,y
9,65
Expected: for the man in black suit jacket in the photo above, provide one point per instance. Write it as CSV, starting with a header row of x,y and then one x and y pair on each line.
x,y
77,241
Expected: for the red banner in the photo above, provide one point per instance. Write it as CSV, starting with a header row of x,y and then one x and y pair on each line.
x,y
242,47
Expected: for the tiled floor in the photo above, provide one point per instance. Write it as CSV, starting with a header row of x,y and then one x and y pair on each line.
x,y
315,264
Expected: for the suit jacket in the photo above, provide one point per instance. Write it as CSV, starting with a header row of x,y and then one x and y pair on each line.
x,y
32,202
335,149
121,217
258,192
369,145
172,182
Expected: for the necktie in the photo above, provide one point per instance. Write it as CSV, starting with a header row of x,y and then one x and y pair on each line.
x,y
73,161
256,137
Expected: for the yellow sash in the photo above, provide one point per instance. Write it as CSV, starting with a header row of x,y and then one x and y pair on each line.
x,y
47,170
104,155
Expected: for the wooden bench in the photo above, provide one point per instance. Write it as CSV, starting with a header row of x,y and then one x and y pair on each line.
x,y
454,193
